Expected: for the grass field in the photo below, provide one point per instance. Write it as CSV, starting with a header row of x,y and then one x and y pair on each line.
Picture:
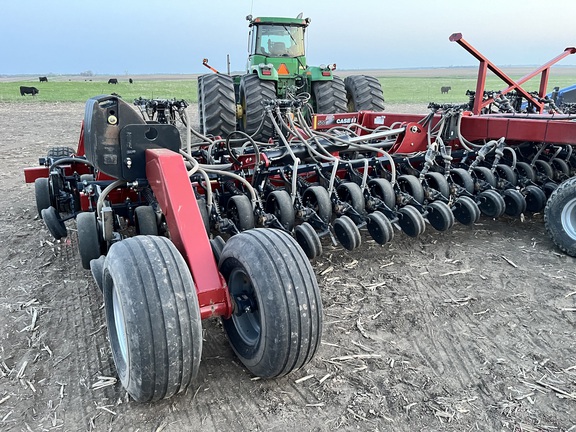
x,y
397,89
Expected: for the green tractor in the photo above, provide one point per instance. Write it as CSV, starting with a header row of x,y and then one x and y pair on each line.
x,y
277,69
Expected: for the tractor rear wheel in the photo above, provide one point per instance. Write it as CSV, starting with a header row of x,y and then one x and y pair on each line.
x,y
216,105
153,317
560,216
363,93
330,96
254,120
277,322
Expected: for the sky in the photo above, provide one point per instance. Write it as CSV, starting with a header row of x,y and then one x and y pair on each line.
x,y
124,37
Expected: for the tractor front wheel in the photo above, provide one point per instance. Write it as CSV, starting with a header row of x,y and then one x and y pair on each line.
x,y
277,321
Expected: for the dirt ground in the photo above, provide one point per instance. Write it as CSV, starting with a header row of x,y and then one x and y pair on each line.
x,y
473,329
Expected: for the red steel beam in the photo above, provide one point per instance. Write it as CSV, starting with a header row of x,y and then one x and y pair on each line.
x,y
167,175
486,64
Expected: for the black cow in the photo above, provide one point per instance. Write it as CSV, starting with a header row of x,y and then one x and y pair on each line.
x,y
130,80
445,89
43,79
113,81
28,90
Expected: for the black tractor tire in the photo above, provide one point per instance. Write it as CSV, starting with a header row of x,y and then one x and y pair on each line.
x,y
383,189
239,210
440,216
308,240
379,228
329,96
42,193
347,233
560,216
216,105
60,152
412,186
316,198
253,93
54,224
145,221
491,203
89,245
278,327
411,221
153,317
363,93
462,178
279,203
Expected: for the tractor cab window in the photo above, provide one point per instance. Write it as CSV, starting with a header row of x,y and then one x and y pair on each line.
x,y
279,40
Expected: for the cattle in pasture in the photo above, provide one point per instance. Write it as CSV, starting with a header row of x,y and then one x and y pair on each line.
x,y
445,89
28,90
43,79
113,81
130,80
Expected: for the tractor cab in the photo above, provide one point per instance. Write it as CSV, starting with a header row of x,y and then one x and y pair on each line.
x,y
277,43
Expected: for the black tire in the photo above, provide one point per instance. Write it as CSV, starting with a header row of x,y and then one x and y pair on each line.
x,y
279,203
411,221
217,245
505,172
54,223
89,245
308,240
525,170
561,169
483,173
240,211
316,198
352,194
363,93
491,203
153,317
60,152
329,96
549,187
281,329
535,199
145,221
216,105
204,213
42,193
253,92
438,182
560,217
347,233
466,211
462,178
440,216
412,186
515,202
383,189
379,228
544,168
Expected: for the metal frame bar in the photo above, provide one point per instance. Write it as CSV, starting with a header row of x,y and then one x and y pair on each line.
x,y
486,64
